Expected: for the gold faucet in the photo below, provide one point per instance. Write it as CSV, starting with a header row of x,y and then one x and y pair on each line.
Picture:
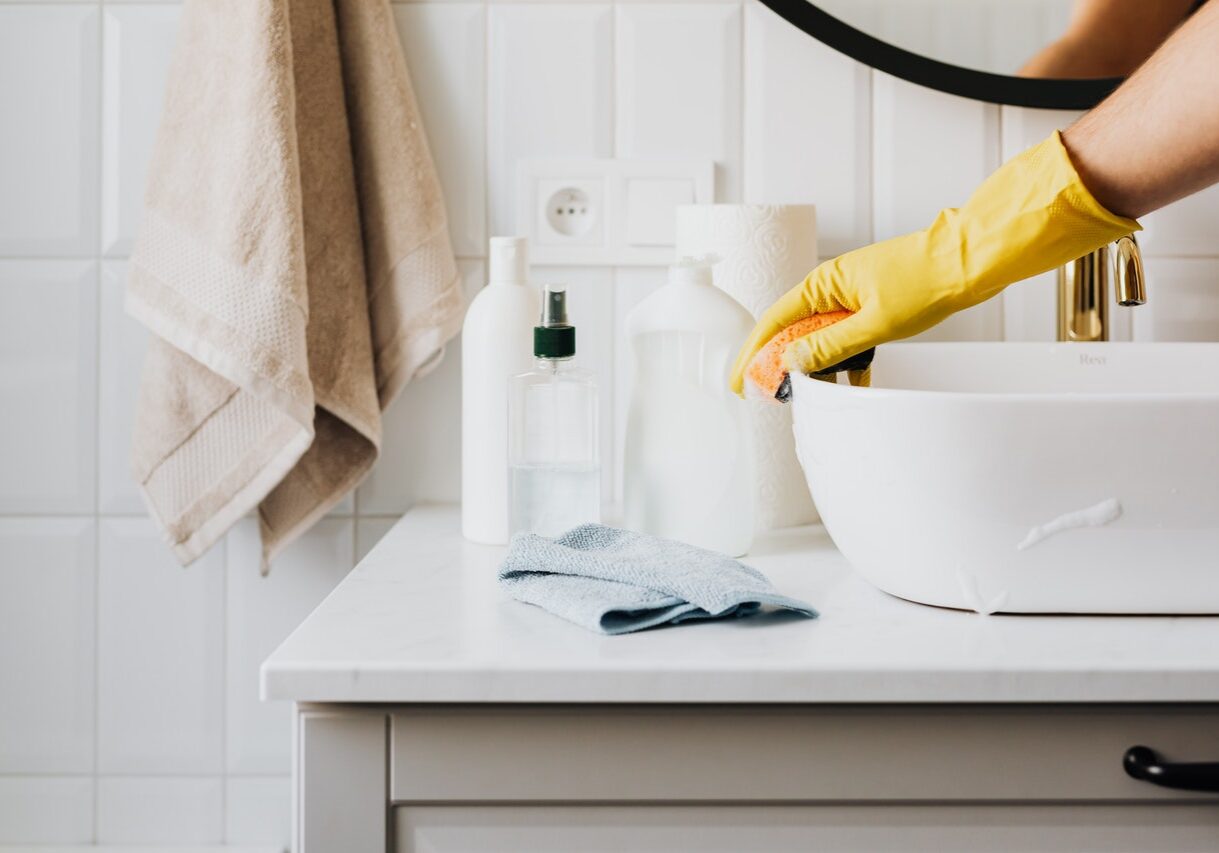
x,y
1083,290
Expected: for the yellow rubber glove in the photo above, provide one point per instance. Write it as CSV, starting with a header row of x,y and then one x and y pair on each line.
x,y
1031,215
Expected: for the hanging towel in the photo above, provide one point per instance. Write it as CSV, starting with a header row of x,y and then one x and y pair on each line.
x,y
615,581
293,264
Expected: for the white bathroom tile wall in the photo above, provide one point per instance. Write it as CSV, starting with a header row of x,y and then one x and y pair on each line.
x,y
808,119
261,612
167,811
1182,301
121,356
47,610
421,434
550,91
186,751
137,45
258,810
670,54
160,654
930,151
48,149
46,810
445,48
1189,227
48,387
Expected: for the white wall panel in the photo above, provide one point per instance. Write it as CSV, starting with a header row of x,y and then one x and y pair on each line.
x,y
47,611
551,77
138,42
1182,301
164,811
46,810
808,117
1189,227
679,86
49,59
258,810
48,386
160,655
121,358
445,48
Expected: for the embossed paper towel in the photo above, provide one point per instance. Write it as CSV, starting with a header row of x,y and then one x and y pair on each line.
x,y
763,251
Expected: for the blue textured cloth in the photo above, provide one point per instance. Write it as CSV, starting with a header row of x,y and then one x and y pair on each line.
x,y
615,581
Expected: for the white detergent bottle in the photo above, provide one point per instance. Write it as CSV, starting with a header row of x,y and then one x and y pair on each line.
x,y
687,462
496,344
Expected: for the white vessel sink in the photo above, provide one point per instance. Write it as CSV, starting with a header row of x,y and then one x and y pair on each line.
x,y
1025,478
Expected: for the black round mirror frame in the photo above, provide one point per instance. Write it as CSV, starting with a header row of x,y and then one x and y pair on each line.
x,y
953,79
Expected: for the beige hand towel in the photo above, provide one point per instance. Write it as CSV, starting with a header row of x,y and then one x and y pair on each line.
x,y
293,264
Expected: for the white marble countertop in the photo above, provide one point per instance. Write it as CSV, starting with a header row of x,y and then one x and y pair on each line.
x,y
422,619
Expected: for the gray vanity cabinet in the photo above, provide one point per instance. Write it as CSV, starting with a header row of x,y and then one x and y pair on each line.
x,y
551,778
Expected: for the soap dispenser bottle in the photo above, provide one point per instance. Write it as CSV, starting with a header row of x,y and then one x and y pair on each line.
x,y
687,459
554,469
496,344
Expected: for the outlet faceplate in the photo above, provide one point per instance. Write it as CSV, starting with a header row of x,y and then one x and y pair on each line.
x,y
606,212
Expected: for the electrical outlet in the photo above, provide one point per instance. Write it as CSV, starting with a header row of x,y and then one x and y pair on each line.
x,y
570,213
606,212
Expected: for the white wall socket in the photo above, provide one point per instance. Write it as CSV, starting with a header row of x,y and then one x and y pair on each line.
x,y
606,212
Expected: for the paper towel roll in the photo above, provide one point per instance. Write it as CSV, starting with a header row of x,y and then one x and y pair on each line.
x,y
763,250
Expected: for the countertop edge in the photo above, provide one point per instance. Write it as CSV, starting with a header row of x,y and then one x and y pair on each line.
x,y
567,687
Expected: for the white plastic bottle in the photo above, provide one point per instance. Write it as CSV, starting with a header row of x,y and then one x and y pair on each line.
x,y
496,344
687,462
553,452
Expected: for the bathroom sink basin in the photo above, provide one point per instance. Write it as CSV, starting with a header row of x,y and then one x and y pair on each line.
x,y
1034,478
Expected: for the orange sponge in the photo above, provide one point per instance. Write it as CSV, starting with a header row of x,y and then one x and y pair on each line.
x,y
767,370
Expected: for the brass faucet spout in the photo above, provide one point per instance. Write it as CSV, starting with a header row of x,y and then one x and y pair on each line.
x,y
1128,279
1083,290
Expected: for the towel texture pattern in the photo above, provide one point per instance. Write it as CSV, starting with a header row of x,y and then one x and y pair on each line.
x,y
293,264
615,581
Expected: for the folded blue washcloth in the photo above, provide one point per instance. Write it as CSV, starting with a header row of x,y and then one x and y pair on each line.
x,y
615,581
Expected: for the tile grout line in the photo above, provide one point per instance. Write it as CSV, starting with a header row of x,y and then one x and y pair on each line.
x,y
99,211
741,82
224,692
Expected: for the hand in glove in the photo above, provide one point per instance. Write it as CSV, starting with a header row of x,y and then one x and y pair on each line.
x,y
1031,215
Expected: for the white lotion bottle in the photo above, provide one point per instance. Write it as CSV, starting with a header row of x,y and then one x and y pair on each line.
x,y
496,344
688,469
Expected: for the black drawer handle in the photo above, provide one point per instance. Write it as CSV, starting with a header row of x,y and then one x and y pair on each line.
x,y
1144,764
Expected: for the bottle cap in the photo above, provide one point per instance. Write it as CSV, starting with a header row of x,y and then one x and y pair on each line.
x,y
554,338
508,260
692,271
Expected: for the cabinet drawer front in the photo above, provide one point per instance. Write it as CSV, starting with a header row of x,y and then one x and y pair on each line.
x,y
1139,828
658,754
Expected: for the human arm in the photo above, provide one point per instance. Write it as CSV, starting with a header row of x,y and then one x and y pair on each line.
x,y
1107,38
1156,138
